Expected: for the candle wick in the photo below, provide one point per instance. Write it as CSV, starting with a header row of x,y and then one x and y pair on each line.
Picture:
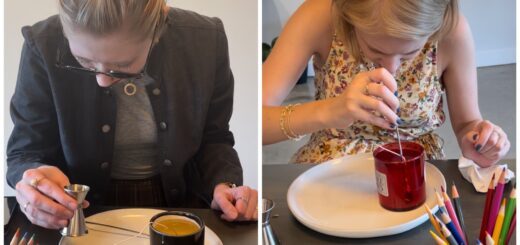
x,y
393,152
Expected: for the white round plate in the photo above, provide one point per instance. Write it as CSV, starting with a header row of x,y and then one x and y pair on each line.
x,y
136,219
339,198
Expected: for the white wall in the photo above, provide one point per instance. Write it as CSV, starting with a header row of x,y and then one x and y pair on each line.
x,y
492,23
240,22
494,30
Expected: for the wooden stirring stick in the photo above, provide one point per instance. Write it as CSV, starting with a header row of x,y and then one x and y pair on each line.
x,y
399,141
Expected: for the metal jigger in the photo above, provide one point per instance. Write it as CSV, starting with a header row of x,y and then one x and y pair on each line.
x,y
77,226
267,233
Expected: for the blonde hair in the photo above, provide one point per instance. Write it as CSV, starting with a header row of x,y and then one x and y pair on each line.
x,y
101,17
406,19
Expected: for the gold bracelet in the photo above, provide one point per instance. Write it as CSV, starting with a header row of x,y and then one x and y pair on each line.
x,y
282,121
296,136
285,125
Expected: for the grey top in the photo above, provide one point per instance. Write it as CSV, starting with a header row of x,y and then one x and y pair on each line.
x,y
135,146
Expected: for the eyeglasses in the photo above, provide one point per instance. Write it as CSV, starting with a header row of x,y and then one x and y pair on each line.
x,y
111,73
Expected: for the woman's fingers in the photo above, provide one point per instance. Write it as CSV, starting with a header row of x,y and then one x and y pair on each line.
x,y
370,118
493,139
252,205
372,104
497,143
471,136
42,202
222,201
49,188
381,75
246,200
39,217
241,197
488,143
484,130
380,91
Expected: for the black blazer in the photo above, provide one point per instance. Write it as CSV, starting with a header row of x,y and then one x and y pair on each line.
x,y
58,115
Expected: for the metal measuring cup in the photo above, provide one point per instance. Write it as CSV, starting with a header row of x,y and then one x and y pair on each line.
x,y
76,226
268,235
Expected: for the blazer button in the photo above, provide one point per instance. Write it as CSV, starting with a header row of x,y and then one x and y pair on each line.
x,y
107,92
105,128
104,165
167,162
156,91
163,125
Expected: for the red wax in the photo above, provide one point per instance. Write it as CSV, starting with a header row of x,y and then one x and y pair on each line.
x,y
400,183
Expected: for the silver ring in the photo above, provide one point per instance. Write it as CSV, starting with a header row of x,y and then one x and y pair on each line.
x,y
25,207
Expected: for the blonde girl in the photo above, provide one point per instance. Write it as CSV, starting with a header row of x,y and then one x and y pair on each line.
x,y
380,65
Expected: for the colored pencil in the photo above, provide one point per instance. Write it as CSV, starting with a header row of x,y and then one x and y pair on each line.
x,y
489,239
495,204
511,204
452,215
500,221
485,216
433,221
16,237
442,206
31,241
447,234
437,239
447,221
511,229
458,209
479,242
22,241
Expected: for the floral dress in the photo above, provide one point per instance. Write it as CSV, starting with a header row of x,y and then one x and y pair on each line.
x,y
420,95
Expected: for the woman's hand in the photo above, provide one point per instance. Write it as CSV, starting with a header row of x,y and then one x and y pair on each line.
x,y
237,204
485,144
42,199
369,92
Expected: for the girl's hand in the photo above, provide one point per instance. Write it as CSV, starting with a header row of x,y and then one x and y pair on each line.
x,y
369,92
485,144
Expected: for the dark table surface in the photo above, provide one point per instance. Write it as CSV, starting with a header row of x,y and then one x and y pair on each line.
x,y
278,177
229,233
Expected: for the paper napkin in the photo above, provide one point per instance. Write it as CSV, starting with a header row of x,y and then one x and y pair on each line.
x,y
480,176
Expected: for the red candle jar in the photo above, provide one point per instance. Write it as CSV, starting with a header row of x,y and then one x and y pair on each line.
x,y
400,182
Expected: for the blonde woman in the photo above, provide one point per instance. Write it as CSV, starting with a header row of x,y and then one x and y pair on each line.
x,y
116,95
379,65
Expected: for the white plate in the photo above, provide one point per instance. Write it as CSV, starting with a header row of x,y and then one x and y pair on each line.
x,y
136,219
339,198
